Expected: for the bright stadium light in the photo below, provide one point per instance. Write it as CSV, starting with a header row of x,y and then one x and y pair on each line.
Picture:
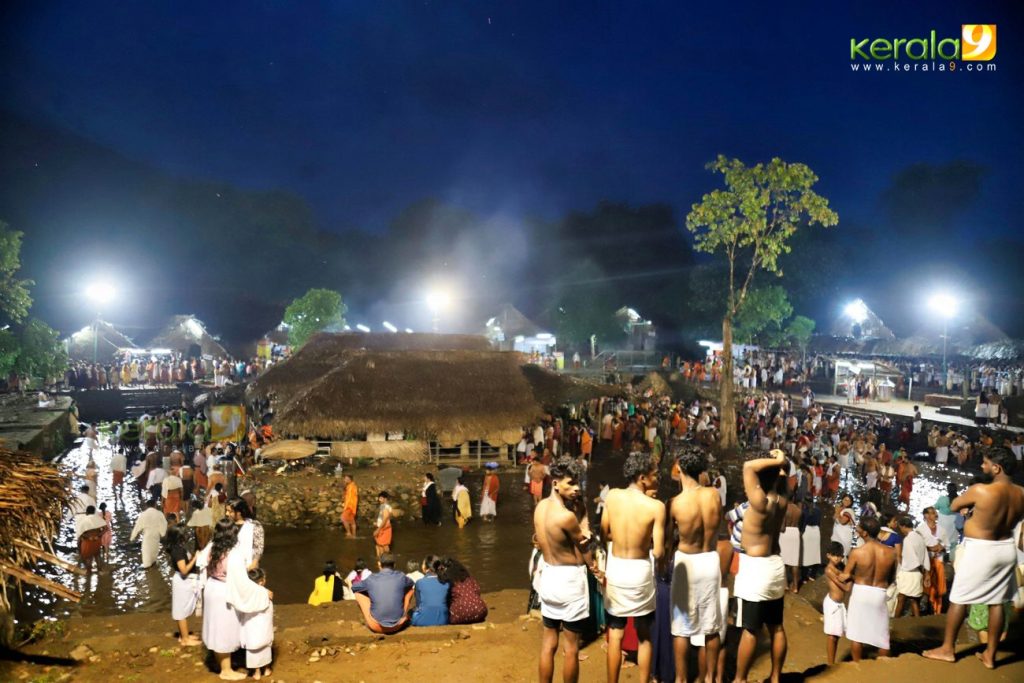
x,y
100,292
408,330
857,311
945,305
362,328
437,300
389,327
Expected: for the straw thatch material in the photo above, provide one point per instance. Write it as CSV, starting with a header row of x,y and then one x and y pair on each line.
x,y
288,449
108,342
326,351
450,396
33,499
553,390
655,384
182,332
409,451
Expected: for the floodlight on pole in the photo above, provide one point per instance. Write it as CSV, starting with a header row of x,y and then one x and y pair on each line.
x,y
437,300
945,305
857,311
389,327
99,293
362,328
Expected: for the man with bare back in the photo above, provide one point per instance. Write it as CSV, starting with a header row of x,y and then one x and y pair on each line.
x,y
563,535
872,567
633,522
696,573
987,558
761,579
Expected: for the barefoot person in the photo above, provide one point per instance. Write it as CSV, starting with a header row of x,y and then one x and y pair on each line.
x,y
789,546
987,558
761,579
696,574
563,536
383,531
833,607
350,506
634,524
872,567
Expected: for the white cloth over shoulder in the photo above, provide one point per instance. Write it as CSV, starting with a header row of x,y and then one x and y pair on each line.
x,y
244,594
984,572
630,589
868,616
564,594
760,579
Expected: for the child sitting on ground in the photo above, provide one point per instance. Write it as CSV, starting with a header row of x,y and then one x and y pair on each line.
x,y
258,632
832,607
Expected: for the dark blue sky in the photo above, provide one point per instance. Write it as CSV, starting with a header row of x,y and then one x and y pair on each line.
x,y
529,108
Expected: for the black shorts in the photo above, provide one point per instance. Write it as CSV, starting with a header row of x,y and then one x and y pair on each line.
x,y
753,615
612,621
571,626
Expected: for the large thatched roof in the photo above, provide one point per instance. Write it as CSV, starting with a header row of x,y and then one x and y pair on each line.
x,y
105,344
183,332
552,389
326,351
450,396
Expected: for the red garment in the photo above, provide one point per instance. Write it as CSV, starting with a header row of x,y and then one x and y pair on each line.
x,y
465,606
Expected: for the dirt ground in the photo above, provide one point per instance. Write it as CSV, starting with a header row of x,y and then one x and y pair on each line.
x,y
329,643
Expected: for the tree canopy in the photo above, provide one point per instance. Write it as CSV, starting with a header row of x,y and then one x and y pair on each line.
x,y
14,295
314,311
762,314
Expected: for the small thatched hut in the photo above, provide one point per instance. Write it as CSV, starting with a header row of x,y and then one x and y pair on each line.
x,y
451,397
326,351
187,335
33,499
553,390
103,342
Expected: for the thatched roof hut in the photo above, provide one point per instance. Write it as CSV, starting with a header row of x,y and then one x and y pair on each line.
x,y
552,389
448,396
326,351
185,334
655,384
105,343
33,499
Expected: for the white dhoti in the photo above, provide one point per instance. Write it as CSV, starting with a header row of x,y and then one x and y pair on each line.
x,y
810,546
941,454
910,584
488,507
184,595
700,640
984,572
221,627
835,617
760,579
872,480
150,547
630,588
696,579
257,636
867,620
789,546
563,592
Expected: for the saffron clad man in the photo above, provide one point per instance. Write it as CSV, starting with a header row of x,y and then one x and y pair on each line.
x,y
987,558
563,536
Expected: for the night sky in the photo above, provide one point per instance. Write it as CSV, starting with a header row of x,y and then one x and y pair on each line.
x,y
528,109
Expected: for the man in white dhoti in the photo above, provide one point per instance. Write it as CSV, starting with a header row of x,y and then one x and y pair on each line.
x,y
912,576
872,567
634,524
789,546
987,558
152,525
562,533
696,572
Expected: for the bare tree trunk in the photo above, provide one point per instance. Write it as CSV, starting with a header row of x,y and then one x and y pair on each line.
x,y
727,411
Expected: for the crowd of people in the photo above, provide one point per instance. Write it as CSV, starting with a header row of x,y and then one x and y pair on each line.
x,y
160,371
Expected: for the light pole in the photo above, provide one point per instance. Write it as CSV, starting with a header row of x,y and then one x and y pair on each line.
x,y
945,305
99,293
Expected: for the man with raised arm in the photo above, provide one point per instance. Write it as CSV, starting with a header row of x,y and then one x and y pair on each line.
x,y
633,522
696,571
872,566
987,558
761,579
563,536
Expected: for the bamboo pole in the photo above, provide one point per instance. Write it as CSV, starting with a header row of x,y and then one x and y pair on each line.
x,y
25,576
41,554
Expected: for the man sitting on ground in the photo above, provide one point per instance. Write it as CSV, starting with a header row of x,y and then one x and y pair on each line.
x,y
384,597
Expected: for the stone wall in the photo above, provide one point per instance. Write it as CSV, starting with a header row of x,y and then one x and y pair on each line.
x,y
314,501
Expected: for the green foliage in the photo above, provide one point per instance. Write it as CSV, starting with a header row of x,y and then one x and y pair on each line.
x,y
799,331
761,315
14,297
314,311
752,220
33,351
585,305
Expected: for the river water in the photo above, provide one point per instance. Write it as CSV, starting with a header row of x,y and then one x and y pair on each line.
x,y
496,553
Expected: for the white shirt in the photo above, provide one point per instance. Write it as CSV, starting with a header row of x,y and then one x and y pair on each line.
x,y
156,476
118,463
931,539
915,552
169,484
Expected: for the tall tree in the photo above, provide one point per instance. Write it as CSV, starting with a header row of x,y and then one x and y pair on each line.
x,y
761,316
312,312
799,331
14,297
751,222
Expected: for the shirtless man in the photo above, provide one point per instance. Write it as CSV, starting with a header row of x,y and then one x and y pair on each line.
x,y
872,567
537,471
789,545
563,536
634,524
696,573
987,559
761,580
